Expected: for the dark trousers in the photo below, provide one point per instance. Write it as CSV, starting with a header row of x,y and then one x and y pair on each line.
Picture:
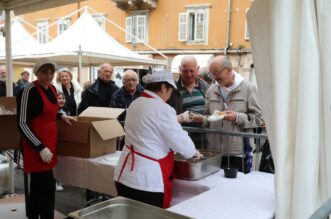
x,y
152,198
42,195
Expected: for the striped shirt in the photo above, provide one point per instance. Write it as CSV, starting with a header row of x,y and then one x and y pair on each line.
x,y
194,101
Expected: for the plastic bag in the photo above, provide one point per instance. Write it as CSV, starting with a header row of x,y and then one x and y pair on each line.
x,y
267,163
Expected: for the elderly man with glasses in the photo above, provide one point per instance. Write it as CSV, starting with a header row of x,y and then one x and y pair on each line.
x,y
238,99
130,91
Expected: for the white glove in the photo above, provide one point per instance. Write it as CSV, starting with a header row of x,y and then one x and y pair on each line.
x,y
197,154
184,117
46,155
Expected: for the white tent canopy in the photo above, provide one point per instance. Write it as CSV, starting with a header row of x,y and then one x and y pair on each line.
x,y
292,53
21,7
87,41
22,41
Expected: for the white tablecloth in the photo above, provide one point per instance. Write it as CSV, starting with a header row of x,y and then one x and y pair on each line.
x,y
95,174
184,189
247,196
251,196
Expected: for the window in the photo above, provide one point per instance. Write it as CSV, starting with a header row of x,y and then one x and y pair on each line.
x,y
193,26
246,27
137,26
2,15
42,27
62,25
100,19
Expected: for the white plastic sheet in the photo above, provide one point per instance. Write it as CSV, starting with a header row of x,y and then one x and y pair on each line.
x,y
292,59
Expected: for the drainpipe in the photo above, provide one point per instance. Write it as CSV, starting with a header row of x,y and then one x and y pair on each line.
x,y
227,28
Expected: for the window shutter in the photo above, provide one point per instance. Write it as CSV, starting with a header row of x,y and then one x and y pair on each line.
x,y
141,27
42,27
200,20
100,19
182,27
63,25
128,37
246,27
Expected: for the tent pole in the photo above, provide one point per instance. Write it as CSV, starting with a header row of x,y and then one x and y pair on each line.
x,y
79,64
9,83
9,64
90,77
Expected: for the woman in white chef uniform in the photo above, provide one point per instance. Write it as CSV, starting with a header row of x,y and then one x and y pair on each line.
x,y
152,135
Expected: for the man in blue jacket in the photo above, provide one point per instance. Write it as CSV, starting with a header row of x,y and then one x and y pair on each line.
x,y
130,91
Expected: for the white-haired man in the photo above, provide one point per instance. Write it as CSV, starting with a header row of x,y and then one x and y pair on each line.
x,y
130,91
237,97
3,75
190,92
190,96
100,92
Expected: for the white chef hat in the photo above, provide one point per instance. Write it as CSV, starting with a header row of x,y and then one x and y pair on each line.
x,y
42,62
160,76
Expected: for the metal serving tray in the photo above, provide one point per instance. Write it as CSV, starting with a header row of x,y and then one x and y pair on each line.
x,y
124,208
191,169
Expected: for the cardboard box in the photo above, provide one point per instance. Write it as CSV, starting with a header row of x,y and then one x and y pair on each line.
x,y
10,136
94,133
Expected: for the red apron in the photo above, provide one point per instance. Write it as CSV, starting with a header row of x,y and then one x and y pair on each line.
x,y
44,127
166,165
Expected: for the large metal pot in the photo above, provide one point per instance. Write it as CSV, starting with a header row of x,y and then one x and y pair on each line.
x,y
124,208
191,169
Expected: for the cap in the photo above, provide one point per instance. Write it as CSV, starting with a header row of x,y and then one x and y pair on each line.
x,y
159,76
42,62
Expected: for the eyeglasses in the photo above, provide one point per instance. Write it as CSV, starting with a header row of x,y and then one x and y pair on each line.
x,y
218,72
130,79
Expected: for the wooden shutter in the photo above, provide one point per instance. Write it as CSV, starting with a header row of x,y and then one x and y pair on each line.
x,y
182,26
141,27
128,37
200,25
246,27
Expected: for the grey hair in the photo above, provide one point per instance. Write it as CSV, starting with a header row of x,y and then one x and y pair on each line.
x,y
188,58
226,62
103,65
130,71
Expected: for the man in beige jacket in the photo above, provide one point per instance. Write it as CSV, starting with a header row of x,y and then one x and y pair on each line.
x,y
237,97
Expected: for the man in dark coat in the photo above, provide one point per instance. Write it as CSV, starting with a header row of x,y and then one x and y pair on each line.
x,y
130,91
3,75
100,92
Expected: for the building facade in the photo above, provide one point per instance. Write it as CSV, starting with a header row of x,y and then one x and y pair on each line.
x,y
173,27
